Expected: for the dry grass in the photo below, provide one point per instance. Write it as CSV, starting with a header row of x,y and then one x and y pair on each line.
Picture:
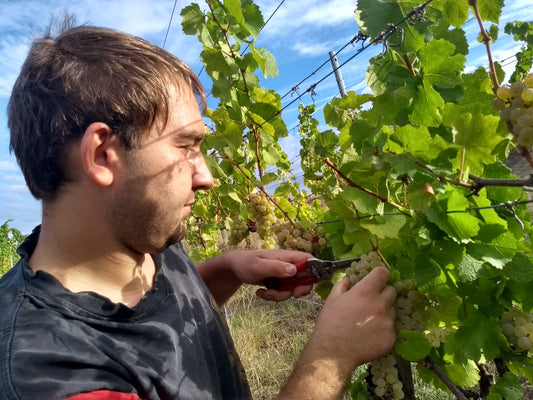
x,y
269,337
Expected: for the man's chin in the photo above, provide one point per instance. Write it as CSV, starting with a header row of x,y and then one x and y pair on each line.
x,y
178,236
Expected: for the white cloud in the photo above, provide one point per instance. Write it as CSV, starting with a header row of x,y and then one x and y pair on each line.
x,y
8,166
311,14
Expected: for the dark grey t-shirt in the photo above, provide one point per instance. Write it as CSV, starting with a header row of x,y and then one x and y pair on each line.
x,y
173,344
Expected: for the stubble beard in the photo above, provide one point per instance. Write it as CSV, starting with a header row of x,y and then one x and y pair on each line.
x,y
140,225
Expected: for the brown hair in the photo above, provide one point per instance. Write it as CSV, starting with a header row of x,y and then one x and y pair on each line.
x,y
85,75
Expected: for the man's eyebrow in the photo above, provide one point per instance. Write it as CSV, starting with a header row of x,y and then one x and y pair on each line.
x,y
189,134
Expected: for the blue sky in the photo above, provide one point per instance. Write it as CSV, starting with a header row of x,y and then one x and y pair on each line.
x,y
300,36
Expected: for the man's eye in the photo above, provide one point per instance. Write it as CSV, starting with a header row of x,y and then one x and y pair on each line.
x,y
190,151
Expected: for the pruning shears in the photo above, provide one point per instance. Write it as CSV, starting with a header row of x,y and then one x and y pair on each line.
x,y
314,271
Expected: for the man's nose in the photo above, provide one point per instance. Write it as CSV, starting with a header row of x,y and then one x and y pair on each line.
x,y
202,178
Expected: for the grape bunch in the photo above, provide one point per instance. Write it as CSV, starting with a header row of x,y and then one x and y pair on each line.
x,y
359,269
293,237
515,103
385,378
517,326
239,231
262,212
410,305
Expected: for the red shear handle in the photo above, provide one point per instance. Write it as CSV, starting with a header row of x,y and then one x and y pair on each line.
x,y
286,284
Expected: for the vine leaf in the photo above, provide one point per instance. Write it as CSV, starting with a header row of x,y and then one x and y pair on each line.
x,y
464,375
415,346
490,10
478,134
426,104
266,61
478,337
192,19
469,267
453,11
520,268
448,214
508,387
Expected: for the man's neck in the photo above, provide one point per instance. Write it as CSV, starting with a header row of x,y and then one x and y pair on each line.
x,y
84,261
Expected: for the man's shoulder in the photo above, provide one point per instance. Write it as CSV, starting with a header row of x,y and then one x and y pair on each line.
x,y
11,287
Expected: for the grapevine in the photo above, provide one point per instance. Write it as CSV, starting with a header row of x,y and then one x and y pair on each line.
x,y
416,165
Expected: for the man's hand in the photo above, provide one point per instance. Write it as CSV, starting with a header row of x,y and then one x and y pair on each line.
x,y
355,326
225,273
262,264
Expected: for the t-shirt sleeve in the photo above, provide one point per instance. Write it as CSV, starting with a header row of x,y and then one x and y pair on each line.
x,y
105,395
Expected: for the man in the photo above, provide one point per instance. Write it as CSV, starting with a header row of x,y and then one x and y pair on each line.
x,y
104,303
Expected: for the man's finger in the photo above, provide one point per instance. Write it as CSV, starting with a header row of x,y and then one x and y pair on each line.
x,y
339,288
376,279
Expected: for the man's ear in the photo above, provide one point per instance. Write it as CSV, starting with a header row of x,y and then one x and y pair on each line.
x,y
99,152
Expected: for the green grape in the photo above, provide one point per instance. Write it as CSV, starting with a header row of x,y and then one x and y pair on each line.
x,y
524,120
498,104
517,102
299,238
528,81
527,96
523,343
262,211
517,88
505,114
504,93
239,232
515,114
385,377
517,327
520,331
525,135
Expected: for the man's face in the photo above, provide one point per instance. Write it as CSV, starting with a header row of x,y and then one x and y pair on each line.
x,y
156,191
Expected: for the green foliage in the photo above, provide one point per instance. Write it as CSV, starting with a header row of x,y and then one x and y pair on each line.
x,y
10,239
523,32
394,171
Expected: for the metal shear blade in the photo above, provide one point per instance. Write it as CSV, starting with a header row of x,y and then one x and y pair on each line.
x,y
324,269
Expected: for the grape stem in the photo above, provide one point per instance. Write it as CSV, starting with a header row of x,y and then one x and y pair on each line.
x,y
361,188
456,182
383,259
486,41
479,183
433,366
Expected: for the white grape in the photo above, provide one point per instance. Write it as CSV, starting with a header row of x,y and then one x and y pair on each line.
x,y
528,81
527,96
504,93
299,238
498,104
523,343
517,327
515,104
520,331
517,88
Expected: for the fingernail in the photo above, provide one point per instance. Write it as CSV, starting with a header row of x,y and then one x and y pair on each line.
x,y
290,269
